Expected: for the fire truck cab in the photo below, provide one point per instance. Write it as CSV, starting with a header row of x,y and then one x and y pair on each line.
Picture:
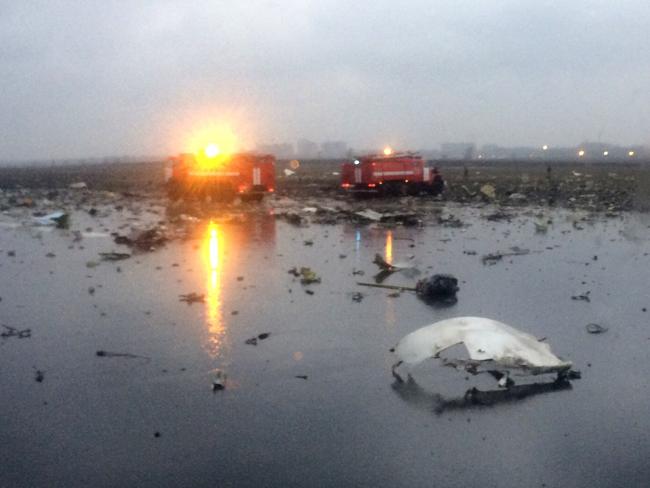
x,y
223,177
401,173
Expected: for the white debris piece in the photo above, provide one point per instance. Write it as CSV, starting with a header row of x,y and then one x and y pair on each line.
x,y
79,185
485,340
288,172
370,215
49,219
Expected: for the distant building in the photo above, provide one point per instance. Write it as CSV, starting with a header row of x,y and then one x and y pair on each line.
x,y
334,149
306,149
457,150
280,151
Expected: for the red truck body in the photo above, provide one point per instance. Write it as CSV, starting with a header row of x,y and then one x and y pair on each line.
x,y
249,175
398,173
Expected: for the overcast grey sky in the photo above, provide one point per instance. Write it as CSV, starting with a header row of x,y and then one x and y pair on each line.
x,y
82,78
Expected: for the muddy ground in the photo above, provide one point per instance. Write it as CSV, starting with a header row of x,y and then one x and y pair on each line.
x,y
601,187
145,343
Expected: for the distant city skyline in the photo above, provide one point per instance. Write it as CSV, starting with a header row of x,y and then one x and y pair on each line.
x,y
338,150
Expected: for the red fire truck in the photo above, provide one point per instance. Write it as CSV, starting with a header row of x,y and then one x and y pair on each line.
x,y
391,173
220,176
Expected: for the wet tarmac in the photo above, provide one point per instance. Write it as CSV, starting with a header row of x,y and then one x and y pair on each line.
x,y
314,403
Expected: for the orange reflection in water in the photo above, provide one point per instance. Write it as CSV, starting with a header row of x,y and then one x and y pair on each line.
x,y
389,247
213,301
390,302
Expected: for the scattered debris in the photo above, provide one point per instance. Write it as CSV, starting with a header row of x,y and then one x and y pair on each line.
x,y
596,328
219,380
291,218
488,191
450,221
584,297
253,340
440,288
113,256
107,354
60,220
302,376
541,227
39,376
493,258
13,332
369,215
307,275
79,185
498,216
383,264
357,297
191,298
143,240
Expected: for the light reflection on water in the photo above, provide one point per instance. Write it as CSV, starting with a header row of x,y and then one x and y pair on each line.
x,y
390,302
222,244
214,249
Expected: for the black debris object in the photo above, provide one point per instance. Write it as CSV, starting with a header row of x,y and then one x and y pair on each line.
x,y
260,337
108,354
219,381
191,298
584,297
114,256
440,288
596,328
13,332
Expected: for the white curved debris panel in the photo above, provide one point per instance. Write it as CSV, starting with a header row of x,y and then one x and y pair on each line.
x,y
485,340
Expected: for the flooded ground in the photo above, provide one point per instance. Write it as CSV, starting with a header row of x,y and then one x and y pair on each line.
x,y
314,403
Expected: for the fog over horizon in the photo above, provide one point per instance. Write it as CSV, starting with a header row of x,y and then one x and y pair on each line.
x,y
83,79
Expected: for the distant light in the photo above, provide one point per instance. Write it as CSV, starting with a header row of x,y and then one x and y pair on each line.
x,y
605,153
480,156
212,150
631,153
545,147
388,151
581,152
356,161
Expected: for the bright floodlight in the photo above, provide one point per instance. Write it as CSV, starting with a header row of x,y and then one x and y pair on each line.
x,y
545,147
212,150
605,153
581,152
388,151
631,153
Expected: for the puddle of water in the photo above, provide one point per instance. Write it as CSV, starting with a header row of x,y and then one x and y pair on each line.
x,y
93,419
